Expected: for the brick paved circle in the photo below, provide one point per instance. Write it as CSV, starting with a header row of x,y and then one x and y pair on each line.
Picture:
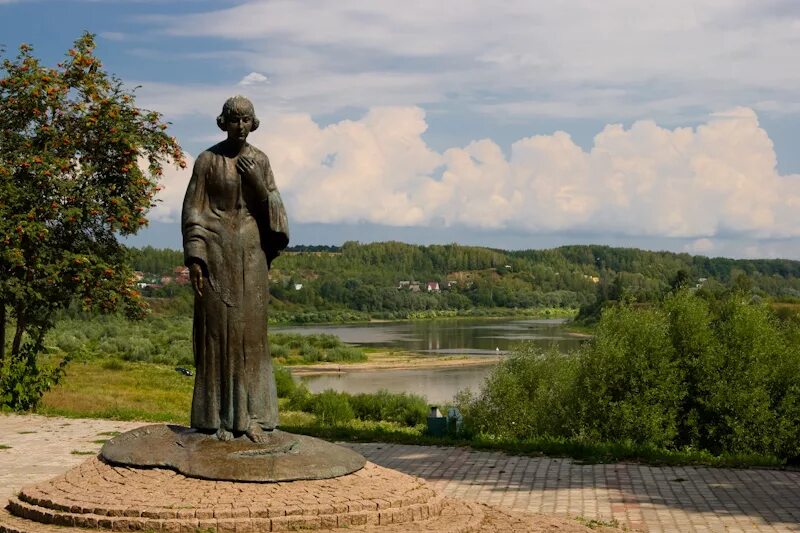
x,y
98,495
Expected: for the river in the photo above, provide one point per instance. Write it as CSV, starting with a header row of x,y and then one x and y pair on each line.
x,y
469,337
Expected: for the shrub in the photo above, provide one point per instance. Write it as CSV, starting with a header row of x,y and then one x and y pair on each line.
x,y
529,393
278,350
284,382
345,353
310,353
300,399
332,408
629,384
719,375
402,408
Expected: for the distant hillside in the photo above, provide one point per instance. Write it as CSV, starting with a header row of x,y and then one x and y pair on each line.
x,y
395,278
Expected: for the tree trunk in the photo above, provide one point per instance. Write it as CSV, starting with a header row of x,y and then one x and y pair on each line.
x,y
15,344
2,330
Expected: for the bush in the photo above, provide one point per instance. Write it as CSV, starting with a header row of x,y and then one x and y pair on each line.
x,y
284,382
530,393
332,408
278,350
300,399
24,379
693,371
629,384
345,353
403,408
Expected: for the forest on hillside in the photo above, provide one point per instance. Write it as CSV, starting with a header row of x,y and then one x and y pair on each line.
x,y
393,279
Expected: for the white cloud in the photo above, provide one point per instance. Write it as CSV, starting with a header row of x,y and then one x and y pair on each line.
x,y
169,200
618,58
718,180
113,35
254,78
700,246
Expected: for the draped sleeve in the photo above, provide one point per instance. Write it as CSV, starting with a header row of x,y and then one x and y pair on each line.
x,y
276,225
194,225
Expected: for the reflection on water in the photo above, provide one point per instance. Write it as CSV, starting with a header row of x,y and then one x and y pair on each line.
x,y
438,337
438,385
462,336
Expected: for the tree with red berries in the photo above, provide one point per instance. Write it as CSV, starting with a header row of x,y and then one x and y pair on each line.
x,y
79,166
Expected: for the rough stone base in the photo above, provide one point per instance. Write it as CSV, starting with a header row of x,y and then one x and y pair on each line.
x,y
97,495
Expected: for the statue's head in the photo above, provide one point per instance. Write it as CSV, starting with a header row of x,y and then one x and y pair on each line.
x,y
237,106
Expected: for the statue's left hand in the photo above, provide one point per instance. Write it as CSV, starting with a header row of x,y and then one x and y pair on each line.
x,y
247,169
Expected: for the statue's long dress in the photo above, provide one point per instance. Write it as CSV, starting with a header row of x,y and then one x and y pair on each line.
x,y
234,231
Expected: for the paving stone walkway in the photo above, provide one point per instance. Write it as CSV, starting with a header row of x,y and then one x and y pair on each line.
x,y
681,499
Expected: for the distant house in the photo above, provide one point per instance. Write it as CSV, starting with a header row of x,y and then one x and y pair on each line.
x,y
404,284
414,287
452,283
433,286
181,275
298,286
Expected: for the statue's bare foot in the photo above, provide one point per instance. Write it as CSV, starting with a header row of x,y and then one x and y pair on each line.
x,y
257,434
223,434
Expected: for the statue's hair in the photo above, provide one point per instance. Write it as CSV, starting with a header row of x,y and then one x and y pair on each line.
x,y
237,105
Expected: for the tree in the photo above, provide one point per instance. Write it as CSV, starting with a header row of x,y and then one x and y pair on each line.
x,y
72,148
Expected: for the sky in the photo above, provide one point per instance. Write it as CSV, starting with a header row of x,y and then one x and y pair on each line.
x,y
516,124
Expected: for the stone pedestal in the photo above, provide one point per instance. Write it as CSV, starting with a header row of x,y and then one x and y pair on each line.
x,y
98,495
172,479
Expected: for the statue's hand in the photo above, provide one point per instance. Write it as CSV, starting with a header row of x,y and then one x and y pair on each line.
x,y
248,169
196,275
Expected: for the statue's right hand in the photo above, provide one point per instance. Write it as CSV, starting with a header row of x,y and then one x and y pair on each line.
x,y
196,275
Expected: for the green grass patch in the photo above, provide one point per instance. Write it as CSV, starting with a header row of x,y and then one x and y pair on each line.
x,y
5,447
594,523
82,452
147,392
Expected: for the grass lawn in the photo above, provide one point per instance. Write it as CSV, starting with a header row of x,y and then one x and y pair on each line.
x,y
121,391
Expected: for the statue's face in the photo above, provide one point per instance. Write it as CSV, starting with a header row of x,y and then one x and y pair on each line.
x,y
238,127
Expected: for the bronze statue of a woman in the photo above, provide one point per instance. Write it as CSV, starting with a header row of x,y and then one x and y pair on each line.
x,y
234,224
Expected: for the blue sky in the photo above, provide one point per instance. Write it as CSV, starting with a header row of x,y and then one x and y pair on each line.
x,y
662,125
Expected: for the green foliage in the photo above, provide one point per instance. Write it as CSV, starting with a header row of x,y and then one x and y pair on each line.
x,y
629,384
403,408
71,139
358,282
23,381
719,376
332,408
383,406
284,383
155,261
155,339
296,348
529,393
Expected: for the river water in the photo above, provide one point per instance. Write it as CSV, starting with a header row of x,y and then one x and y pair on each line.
x,y
470,337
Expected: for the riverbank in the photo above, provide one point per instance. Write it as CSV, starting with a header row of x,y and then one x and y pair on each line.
x,y
395,361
